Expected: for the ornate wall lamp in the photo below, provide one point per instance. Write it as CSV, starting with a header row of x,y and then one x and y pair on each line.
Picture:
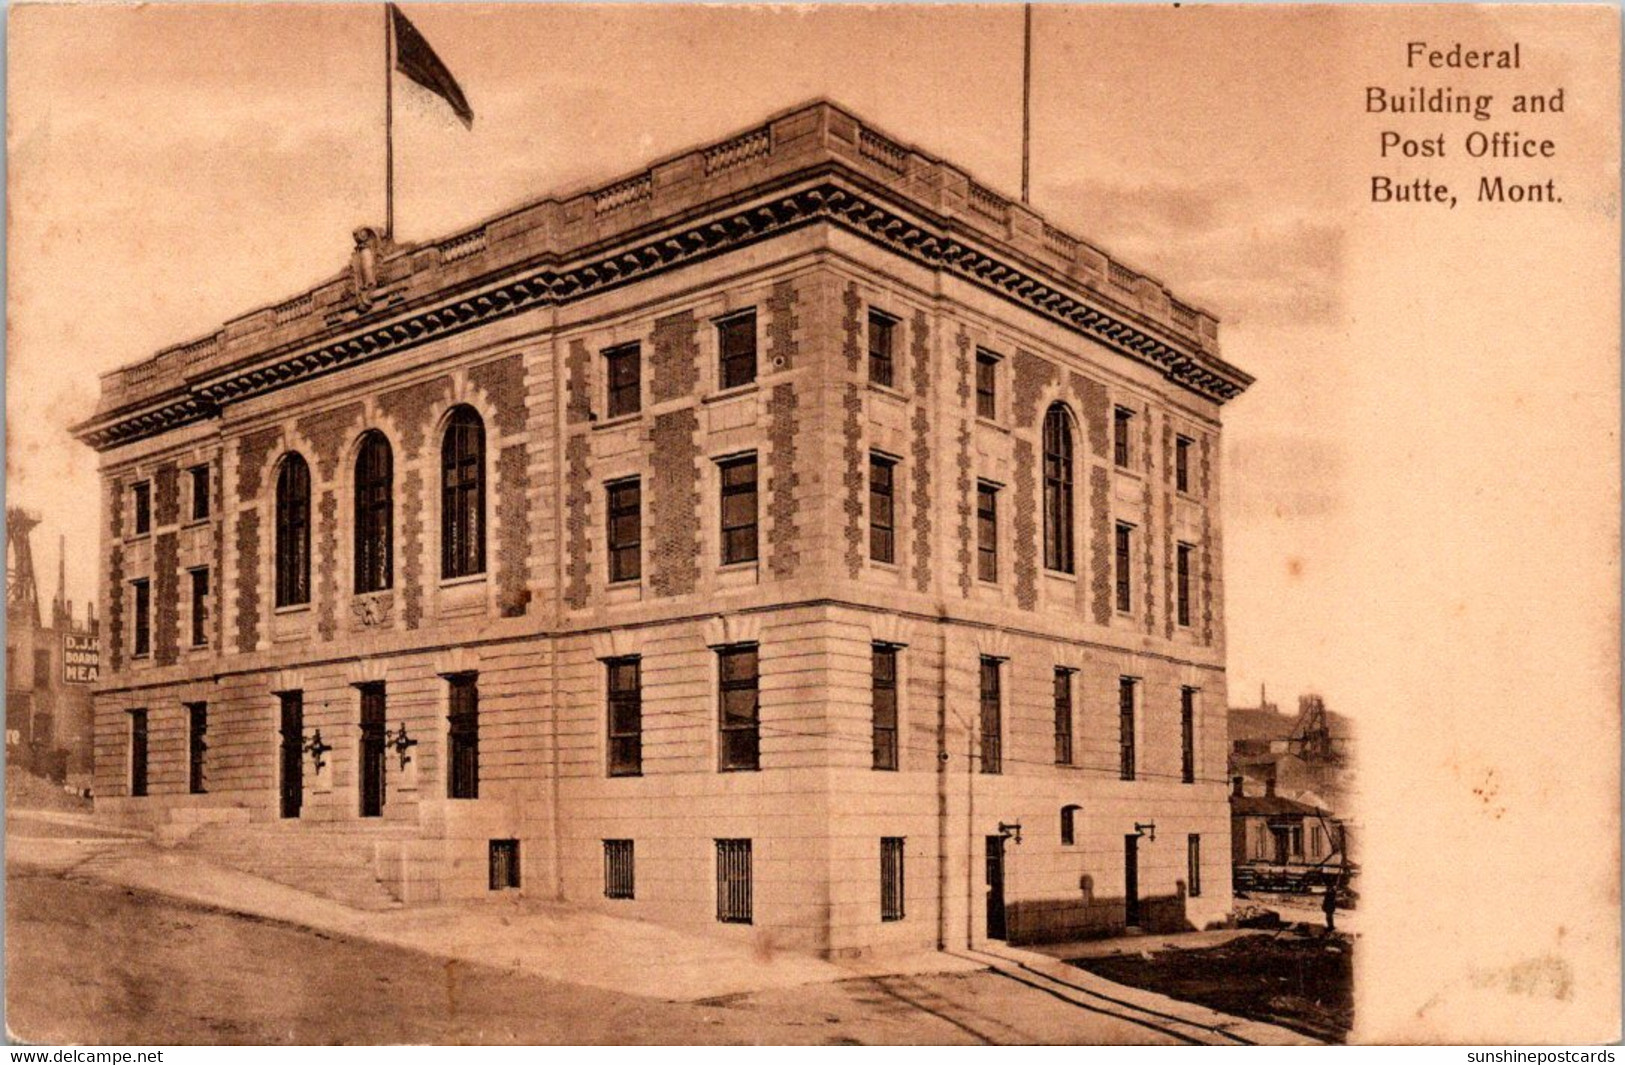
x,y
317,750
1148,830
1011,831
403,744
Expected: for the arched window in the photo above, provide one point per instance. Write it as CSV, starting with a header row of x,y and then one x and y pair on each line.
x,y
293,532
1069,825
374,514
462,495
1058,490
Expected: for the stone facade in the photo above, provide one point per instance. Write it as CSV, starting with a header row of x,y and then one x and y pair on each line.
x,y
812,221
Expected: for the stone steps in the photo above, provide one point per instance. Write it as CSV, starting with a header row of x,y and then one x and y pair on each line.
x,y
335,861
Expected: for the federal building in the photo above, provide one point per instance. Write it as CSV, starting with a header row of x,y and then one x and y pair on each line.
x,y
795,540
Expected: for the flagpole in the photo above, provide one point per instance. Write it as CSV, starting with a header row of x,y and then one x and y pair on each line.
x,y
389,129
1026,100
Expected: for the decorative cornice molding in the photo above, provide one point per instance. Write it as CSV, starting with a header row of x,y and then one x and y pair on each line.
x,y
928,243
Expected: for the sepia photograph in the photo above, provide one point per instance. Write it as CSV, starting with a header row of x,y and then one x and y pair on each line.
x,y
816,525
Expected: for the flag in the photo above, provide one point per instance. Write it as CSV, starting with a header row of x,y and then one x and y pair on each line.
x,y
415,59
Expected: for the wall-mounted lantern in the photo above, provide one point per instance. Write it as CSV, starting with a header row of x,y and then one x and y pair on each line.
x,y
1148,830
1011,831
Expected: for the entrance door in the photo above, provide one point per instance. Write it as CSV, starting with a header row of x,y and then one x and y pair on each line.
x,y
293,753
995,887
372,750
1131,881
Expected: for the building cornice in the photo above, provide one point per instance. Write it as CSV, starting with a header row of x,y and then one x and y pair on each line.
x,y
833,194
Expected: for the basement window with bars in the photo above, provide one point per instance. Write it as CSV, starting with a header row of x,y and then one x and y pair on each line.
x,y
891,878
619,882
463,736
733,881
504,864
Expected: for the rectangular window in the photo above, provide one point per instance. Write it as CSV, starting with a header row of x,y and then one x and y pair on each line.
x,y
197,741
987,532
463,779
141,498
733,881
1317,841
1193,865
504,864
200,607
992,717
1063,716
1182,463
1125,556
891,878
736,341
1125,727
625,505
739,739
625,680
141,591
1182,584
987,396
1122,418
739,510
200,492
623,367
138,752
883,685
882,513
1187,735
881,329
1069,826
619,882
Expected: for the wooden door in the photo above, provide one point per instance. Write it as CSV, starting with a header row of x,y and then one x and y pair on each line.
x,y
1131,880
372,750
995,888
293,753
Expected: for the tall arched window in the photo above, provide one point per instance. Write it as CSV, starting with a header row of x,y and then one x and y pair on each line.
x,y
1058,490
462,495
374,514
293,532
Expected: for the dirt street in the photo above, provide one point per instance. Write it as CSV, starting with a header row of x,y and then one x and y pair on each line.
x,y
92,963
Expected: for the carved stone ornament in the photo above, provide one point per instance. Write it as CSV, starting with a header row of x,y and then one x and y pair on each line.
x,y
373,611
364,266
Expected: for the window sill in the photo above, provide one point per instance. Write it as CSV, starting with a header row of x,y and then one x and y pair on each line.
x,y
738,567
1188,496
197,523
993,424
136,538
292,608
890,391
618,421
140,656
739,769
1130,471
458,582
886,567
722,395
625,776
1061,575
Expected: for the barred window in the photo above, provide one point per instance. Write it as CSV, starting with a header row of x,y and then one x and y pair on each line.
x,y
1063,716
1125,556
881,329
200,607
293,532
141,592
200,492
197,744
624,368
891,878
1058,490
882,512
374,514
463,778
739,509
1182,463
883,685
1069,825
462,495
733,881
625,505
987,532
138,752
1122,420
736,341
1193,865
992,717
625,680
1125,727
619,879
1187,735
987,396
739,739
141,499
504,864
1182,583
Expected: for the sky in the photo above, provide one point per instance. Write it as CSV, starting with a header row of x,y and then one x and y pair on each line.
x,y
1421,512
174,166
